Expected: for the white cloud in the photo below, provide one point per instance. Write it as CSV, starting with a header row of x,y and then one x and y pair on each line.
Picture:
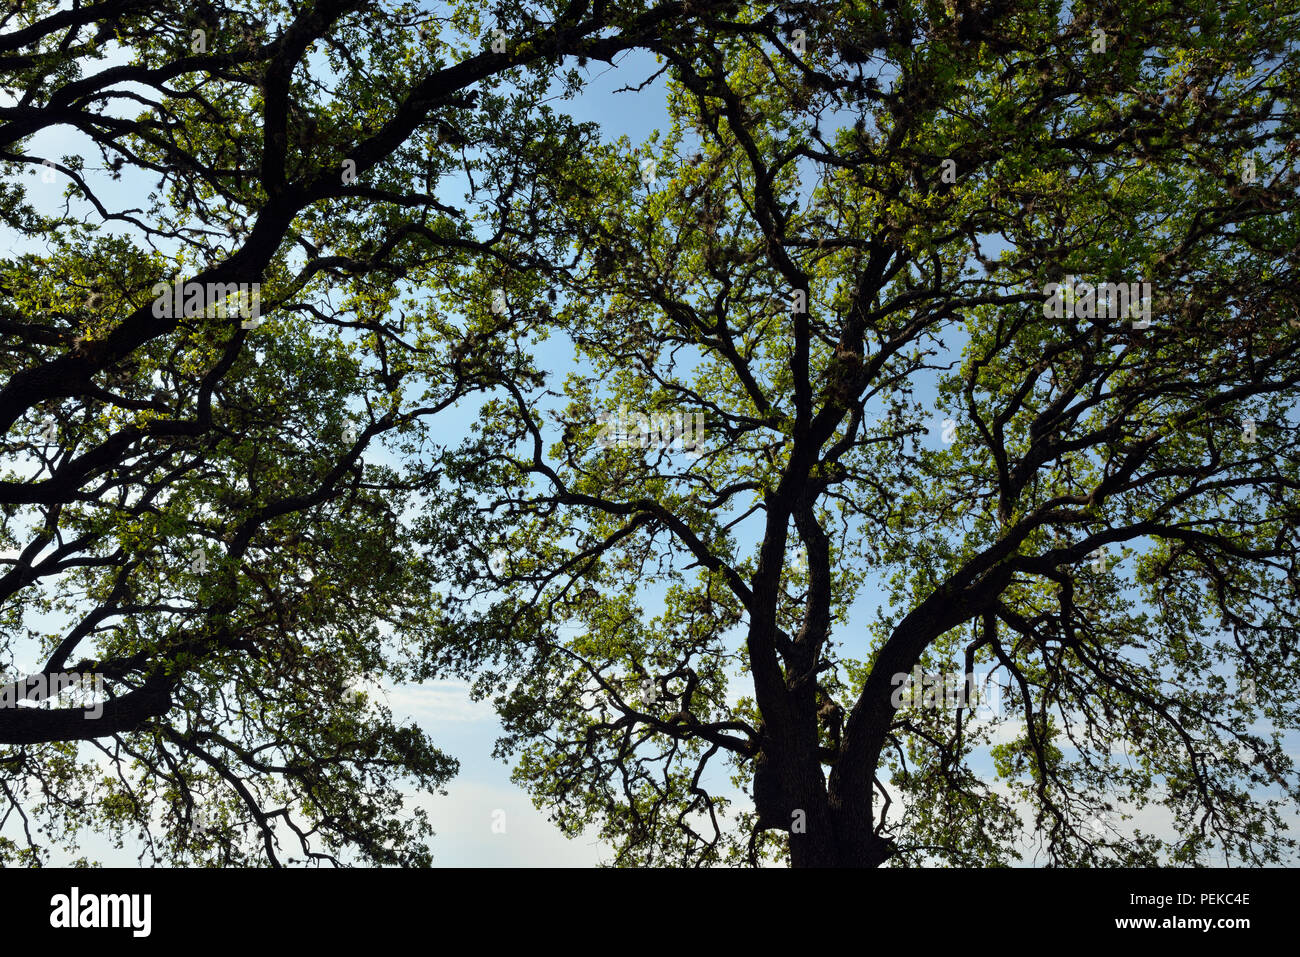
x,y
524,837
438,701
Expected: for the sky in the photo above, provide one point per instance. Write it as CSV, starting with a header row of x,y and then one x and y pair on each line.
x,y
470,829
485,819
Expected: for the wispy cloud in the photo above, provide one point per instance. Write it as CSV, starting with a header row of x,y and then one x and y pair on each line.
x,y
438,701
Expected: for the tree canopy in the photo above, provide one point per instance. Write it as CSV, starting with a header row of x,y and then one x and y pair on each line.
x,y
923,338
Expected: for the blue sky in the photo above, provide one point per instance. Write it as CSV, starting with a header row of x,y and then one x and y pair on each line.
x,y
464,729
464,819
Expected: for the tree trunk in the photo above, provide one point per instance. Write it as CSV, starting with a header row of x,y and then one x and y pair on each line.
x,y
792,796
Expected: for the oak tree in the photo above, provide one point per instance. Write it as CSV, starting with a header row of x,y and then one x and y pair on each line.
x,y
235,298
990,311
